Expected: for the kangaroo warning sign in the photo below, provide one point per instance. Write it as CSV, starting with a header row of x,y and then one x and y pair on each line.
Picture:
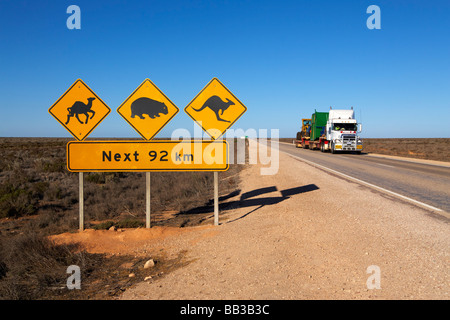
x,y
155,155
79,110
147,110
215,109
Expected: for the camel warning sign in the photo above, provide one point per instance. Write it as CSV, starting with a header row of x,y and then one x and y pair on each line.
x,y
215,109
79,110
147,110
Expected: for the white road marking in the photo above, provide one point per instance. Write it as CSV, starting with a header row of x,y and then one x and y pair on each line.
x,y
384,165
367,183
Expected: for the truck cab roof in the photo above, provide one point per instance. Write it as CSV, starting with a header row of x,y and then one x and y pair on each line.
x,y
341,114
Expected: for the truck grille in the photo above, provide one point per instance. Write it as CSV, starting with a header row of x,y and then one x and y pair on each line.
x,y
348,142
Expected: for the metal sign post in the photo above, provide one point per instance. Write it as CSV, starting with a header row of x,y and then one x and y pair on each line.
x,y
216,198
147,110
74,110
215,109
81,200
147,209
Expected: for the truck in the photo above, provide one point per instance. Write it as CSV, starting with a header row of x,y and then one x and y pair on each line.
x,y
335,131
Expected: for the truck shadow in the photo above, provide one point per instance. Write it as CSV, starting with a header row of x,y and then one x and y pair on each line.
x,y
248,199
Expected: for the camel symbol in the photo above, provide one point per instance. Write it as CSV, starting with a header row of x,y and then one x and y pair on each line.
x,y
80,108
217,105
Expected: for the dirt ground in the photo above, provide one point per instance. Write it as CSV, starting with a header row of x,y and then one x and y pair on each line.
x,y
302,235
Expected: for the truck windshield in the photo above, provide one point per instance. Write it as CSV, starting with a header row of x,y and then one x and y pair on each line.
x,y
344,126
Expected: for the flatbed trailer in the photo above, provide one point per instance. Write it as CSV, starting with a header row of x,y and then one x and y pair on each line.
x,y
321,144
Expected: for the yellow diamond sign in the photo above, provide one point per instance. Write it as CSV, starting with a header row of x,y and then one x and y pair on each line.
x,y
79,110
215,109
147,109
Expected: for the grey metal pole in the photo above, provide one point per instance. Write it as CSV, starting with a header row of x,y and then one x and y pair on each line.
x,y
216,198
81,200
147,209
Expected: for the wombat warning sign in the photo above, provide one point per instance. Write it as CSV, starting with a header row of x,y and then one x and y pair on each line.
x,y
147,110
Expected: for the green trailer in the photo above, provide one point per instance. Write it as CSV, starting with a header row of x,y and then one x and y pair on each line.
x,y
315,128
318,125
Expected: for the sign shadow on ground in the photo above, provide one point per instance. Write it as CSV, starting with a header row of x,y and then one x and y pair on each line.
x,y
248,199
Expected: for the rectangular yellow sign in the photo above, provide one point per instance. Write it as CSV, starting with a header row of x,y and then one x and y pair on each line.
x,y
155,155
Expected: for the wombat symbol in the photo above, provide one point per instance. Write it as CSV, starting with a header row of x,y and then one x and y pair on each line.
x,y
147,106
80,108
216,104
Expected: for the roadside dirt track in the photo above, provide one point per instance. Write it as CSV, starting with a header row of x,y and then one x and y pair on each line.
x,y
306,234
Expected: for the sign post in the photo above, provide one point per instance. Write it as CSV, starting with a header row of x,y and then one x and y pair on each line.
x,y
80,111
216,198
147,208
81,200
147,110
215,109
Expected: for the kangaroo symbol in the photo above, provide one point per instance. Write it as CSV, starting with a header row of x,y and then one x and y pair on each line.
x,y
80,108
216,104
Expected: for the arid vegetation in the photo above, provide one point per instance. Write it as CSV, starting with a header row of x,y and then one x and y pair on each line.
x,y
39,197
430,149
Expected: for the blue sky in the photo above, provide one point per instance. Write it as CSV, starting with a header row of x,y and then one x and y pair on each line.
x,y
282,59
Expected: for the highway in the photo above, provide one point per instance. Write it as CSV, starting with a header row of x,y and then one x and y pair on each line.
x,y
427,184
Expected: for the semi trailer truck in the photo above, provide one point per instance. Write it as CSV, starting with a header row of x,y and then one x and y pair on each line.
x,y
335,131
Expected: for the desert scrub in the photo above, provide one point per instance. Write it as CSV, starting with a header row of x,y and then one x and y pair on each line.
x,y
105,225
16,201
34,181
124,223
103,178
50,165
31,266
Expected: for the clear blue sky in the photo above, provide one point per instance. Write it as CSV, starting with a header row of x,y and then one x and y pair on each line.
x,y
282,59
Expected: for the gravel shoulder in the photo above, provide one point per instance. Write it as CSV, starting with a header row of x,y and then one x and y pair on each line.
x,y
306,234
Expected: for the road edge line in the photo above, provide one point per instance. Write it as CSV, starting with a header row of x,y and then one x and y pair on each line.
x,y
366,183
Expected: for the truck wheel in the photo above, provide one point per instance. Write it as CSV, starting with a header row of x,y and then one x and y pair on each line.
x,y
332,148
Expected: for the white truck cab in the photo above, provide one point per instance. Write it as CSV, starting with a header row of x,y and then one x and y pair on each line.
x,y
341,131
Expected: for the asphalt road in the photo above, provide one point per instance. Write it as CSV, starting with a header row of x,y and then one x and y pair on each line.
x,y
428,184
